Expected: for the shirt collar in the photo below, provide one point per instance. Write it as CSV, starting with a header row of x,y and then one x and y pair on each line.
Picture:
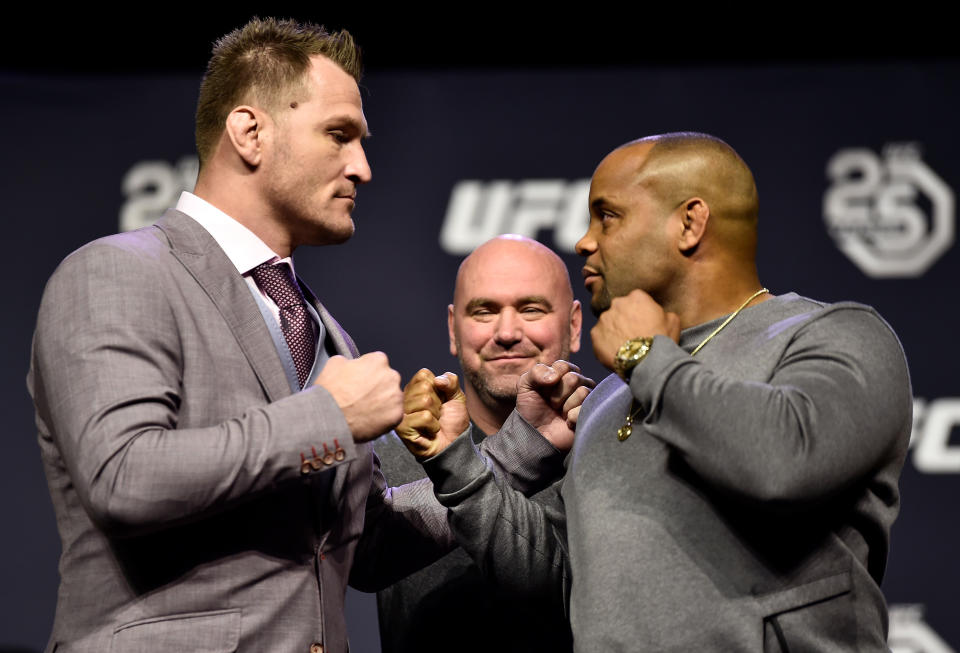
x,y
243,247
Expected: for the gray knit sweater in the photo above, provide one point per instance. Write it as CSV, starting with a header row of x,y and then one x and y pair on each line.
x,y
750,509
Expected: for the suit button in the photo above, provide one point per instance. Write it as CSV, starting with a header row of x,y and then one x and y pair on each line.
x,y
316,648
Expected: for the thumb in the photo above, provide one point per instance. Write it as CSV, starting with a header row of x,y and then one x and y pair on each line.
x,y
448,387
538,377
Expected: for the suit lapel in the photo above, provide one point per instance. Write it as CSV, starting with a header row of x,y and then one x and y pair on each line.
x,y
199,253
342,342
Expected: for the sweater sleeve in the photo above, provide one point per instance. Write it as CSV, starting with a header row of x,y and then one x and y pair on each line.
x,y
518,542
411,521
836,408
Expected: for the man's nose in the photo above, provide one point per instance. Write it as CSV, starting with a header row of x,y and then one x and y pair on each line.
x,y
509,328
587,244
358,169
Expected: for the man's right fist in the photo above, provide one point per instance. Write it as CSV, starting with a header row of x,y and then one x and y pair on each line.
x,y
368,392
549,398
435,413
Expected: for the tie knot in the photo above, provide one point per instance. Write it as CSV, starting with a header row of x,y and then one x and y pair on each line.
x,y
277,282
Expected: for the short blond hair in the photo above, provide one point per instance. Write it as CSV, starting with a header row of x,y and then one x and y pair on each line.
x,y
260,61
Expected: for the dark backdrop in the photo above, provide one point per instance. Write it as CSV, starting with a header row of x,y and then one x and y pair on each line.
x,y
493,124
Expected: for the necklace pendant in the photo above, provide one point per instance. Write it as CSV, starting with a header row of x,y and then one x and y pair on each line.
x,y
624,432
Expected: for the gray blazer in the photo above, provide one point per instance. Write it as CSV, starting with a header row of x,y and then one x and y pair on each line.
x,y
173,449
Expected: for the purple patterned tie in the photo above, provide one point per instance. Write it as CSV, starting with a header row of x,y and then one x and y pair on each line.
x,y
277,282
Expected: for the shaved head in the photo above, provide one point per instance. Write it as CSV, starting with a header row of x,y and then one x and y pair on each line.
x,y
681,165
512,308
511,249
674,215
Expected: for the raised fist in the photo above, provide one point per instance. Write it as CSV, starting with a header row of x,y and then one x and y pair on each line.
x,y
368,392
435,413
549,398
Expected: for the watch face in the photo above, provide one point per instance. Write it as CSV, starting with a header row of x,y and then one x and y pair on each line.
x,y
631,353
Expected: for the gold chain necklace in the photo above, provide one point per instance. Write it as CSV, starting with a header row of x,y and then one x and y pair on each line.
x,y
626,430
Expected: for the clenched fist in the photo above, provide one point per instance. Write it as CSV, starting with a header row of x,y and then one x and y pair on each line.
x,y
549,398
368,392
435,413
632,316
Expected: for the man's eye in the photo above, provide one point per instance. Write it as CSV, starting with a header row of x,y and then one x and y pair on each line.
x,y
339,136
602,216
607,219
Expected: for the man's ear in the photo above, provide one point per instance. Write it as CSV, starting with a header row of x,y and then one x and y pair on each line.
x,y
694,215
450,332
576,324
244,129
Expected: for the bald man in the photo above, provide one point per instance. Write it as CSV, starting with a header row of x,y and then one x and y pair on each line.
x,y
732,485
513,307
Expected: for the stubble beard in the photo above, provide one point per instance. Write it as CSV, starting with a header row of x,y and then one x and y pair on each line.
x,y
322,226
494,391
309,220
600,301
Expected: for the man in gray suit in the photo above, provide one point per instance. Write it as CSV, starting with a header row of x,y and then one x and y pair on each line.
x,y
204,423
732,485
513,307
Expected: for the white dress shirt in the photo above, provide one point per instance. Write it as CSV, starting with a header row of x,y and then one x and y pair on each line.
x,y
243,247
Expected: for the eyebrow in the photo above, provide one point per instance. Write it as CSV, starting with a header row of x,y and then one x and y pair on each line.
x,y
480,302
599,203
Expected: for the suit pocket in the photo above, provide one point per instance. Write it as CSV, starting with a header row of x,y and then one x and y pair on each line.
x,y
199,632
815,616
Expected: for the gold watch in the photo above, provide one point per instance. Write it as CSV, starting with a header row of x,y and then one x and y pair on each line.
x,y
630,354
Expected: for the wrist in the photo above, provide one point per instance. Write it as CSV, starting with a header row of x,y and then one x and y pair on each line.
x,y
630,354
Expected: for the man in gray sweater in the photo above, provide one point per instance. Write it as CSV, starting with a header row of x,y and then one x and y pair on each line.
x,y
513,307
732,486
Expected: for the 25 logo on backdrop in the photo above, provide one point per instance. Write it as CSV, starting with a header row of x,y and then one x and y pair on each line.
x,y
151,187
892,215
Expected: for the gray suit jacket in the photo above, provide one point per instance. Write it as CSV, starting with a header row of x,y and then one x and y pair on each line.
x,y
173,449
